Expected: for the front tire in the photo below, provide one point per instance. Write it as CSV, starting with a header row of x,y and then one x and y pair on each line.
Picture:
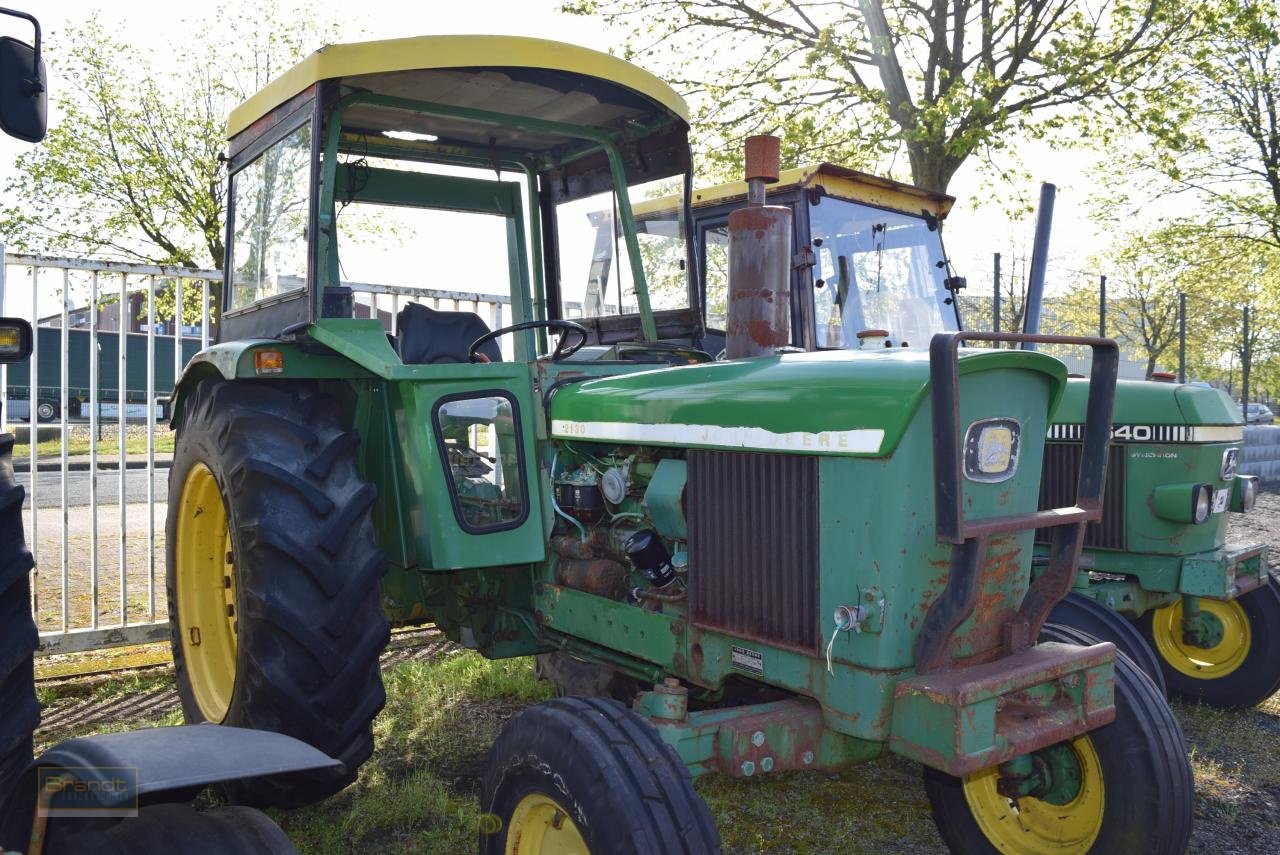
x,y
1092,617
273,577
1135,796
581,775
1241,670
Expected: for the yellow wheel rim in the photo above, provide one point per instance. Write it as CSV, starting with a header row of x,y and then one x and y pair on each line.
x,y
1029,826
539,826
1203,663
206,588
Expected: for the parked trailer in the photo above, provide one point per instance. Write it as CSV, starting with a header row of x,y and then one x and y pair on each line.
x,y
49,372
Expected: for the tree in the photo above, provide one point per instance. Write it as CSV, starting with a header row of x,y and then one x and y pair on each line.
x,y
856,80
133,168
1212,126
1146,273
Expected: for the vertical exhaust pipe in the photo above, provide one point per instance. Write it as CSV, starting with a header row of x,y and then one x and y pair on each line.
x,y
1039,259
759,262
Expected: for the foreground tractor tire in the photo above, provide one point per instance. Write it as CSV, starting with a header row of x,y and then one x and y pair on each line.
x,y
1092,617
19,712
273,577
1135,793
588,775
1241,670
172,828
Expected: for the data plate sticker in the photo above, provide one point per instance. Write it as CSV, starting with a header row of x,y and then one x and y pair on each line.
x,y
1220,498
751,661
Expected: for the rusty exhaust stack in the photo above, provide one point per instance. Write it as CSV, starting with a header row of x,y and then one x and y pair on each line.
x,y
759,262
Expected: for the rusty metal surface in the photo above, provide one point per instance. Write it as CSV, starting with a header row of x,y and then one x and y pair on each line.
x,y
568,546
601,576
753,537
1015,705
1068,522
762,157
953,606
1058,486
759,304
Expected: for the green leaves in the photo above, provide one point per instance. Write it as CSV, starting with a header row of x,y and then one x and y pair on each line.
x,y
132,169
862,81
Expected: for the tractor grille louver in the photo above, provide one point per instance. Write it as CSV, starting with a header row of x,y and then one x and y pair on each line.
x,y
753,545
1058,489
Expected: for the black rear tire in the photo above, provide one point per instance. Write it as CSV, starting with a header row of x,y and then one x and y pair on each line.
x,y
1253,680
1147,785
19,712
1090,616
307,566
608,773
174,828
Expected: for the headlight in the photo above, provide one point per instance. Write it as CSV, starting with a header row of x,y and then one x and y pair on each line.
x,y
1245,494
1183,503
1204,502
991,450
15,339
1230,463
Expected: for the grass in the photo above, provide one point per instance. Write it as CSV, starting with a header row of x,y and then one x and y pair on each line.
x,y
108,446
1237,774
420,791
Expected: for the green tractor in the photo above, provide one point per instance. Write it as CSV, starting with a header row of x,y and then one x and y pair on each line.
x,y
1200,615
790,562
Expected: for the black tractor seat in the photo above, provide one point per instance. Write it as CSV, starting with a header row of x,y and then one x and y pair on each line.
x,y
428,336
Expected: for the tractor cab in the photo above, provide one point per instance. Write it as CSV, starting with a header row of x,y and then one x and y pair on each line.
x,y
869,257
457,165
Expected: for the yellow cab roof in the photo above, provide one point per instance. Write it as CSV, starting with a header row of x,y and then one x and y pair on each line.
x,y
381,66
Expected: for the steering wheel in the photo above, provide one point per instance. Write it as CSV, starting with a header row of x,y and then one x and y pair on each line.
x,y
562,350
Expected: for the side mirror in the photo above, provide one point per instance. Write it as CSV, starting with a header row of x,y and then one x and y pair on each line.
x,y
15,340
23,100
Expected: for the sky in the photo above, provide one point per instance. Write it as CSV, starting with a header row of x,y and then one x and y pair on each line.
x,y
976,228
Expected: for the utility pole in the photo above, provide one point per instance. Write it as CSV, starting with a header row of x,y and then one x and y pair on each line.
x,y
1102,307
1182,336
1244,370
995,306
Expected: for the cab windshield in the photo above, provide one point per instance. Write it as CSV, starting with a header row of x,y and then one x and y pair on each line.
x,y
877,269
595,276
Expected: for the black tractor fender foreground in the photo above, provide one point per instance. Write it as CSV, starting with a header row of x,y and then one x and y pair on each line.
x,y
157,765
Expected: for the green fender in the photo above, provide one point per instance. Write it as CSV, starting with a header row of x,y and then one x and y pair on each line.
x,y
234,360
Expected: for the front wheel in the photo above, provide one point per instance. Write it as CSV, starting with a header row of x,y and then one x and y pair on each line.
x,y
1124,787
579,775
1234,662
1090,616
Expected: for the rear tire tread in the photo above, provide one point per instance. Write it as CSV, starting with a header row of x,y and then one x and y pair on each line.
x,y
311,626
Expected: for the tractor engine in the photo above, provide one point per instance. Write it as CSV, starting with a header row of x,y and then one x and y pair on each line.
x,y
780,514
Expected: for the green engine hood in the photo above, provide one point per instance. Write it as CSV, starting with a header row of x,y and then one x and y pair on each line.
x,y
831,402
1144,402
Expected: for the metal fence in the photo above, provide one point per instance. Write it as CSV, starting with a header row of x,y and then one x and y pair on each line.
x,y
107,349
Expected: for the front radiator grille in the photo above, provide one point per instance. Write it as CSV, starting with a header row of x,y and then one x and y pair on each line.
x,y
1058,489
753,545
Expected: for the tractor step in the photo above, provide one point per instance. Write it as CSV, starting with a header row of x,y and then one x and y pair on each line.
x,y
965,719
